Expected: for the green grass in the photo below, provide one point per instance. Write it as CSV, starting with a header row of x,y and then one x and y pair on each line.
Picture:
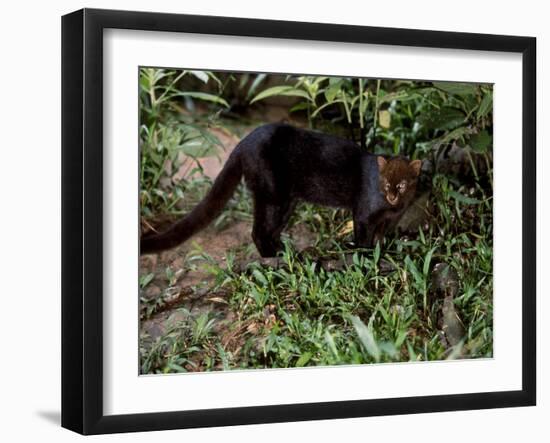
x,y
299,314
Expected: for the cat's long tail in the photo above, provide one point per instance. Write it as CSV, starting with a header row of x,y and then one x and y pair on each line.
x,y
205,212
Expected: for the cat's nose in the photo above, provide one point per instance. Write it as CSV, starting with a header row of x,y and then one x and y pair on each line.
x,y
392,199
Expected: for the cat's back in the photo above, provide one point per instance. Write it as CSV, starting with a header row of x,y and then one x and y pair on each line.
x,y
299,153
298,144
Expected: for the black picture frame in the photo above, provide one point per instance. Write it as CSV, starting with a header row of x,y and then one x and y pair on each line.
x,y
82,218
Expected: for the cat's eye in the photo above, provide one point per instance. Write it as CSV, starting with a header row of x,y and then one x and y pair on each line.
x,y
402,186
387,186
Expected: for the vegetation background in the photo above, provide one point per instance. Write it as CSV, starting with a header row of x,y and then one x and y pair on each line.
x,y
214,304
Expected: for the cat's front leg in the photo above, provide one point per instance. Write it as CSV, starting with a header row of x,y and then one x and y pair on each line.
x,y
363,232
379,231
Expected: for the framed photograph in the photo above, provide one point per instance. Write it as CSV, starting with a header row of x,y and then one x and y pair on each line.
x,y
269,221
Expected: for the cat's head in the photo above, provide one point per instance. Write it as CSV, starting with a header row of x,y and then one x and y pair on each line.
x,y
398,177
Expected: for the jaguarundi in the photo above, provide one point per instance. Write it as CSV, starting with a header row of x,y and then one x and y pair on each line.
x,y
281,165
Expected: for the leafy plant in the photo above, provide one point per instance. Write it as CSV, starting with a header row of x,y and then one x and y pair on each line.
x,y
169,140
396,116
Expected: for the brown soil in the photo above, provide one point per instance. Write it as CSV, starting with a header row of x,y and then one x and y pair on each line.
x,y
189,287
212,165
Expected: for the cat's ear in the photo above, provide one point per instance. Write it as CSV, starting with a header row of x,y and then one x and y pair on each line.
x,y
416,165
381,162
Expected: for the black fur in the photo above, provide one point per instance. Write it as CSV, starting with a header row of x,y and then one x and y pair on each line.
x,y
281,165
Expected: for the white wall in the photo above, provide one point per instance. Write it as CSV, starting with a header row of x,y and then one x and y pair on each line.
x,y
30,217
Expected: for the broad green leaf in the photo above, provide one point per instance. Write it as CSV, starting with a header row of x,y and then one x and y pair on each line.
x,y
319,80
457,88
259,79
330,342
412,354
259,277
427,260
223,357
389,349
144,81
481,141
444,118
257,296
298,107
177,368
455,134
424,91
401,338
464,199
390,97
201,75
203,96
209,136
486,105
366,337
384,313
304,358
144,280
418,277
196,148
243,80
376,253
320,108
331,92
280,90
365,103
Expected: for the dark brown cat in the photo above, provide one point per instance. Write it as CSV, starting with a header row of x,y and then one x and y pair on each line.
x,y
397,181
282,165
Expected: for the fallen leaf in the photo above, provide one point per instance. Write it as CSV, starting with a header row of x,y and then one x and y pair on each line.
x,y
346,229
384,119
217,300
